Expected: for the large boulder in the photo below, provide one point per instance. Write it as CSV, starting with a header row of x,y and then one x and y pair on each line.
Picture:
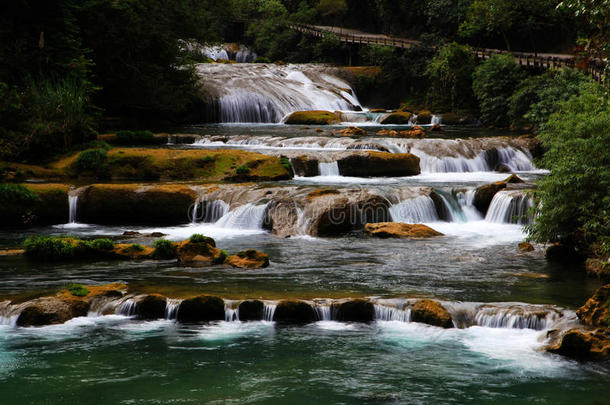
x,y
397,118
151,307
583,345
356,311
134,204
305,166
484,194
251,310
248,259
335,216
204,308
596,311
400,230
431,313
312,118
199,252
52,310
379,164
294,312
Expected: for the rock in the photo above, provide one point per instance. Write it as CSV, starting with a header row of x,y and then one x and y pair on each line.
x,y
424,117
368,145
52,310
513,179
343,215
351,131
387,132
198,253
249,259
415,132
321,192
379,164
305,166
441,208
596,311
312,118
431,313
436,128
151,307
378,110
400,230
251,310
562,253
502,168
486,193
204,308
132,251
133,204
525,247
294,312
355,311
598,268
397,118
582,345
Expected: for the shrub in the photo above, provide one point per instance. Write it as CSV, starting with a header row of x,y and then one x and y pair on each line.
x,y
102,244
78,290
91,160
199,238
243,170
17,195
164,249
49,247
220,259
574,202
493,82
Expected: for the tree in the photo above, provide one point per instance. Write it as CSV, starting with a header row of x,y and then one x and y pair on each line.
x,y
489,17
450,74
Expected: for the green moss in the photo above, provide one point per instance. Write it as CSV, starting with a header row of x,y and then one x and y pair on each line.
x,y
243,170
397,118
164,249
91,160
199,238
102,244
136,247
65,248
262,59
220,258
313,118
78,290
284,161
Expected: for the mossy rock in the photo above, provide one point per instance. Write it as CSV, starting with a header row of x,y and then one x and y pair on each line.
x,y
294,312
50,311
312,118
355,311
249,259
200,253
397,118
151,307
379,164
251,310
431,313
204,308
400,230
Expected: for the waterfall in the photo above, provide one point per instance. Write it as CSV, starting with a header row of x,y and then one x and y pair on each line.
x,y
171,308
194,212
126,308
231,314
516,318
448,164
248,216
209,211
72,206
414,210
329,169
516,160
509,207
269,312
324,312
436,119
250,93
388,313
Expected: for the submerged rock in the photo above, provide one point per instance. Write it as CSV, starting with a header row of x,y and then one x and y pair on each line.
x,y
387,132
151,307
379,164
415,132
350,131
249,259
400,230
251,310
204,308
200,252
312,118
431,313
356,311
397,118
294,312
486,193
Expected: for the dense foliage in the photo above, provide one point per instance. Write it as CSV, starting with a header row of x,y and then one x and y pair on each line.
x,y
574,199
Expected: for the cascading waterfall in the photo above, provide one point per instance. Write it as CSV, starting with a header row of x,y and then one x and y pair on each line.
x,y
276,91
515,318
231,314
389,313
248,216
436,119
209,211
414,210
171,308
127,307
329,169
72,207
324,312
269,311
510,207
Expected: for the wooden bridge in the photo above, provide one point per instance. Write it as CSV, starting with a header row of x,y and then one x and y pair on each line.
x,y
594,67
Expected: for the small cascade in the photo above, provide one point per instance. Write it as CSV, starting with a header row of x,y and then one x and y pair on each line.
x,y
329,169
269,312
323,312
449,164
510,207
171,308
248,216
516,318
389,313
436,119
414,210
194,216
515,160
413,119
208,211
126,308
72,207
466,200
231,314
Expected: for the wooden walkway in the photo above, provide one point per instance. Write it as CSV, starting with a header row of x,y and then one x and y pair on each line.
x,y
594,67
